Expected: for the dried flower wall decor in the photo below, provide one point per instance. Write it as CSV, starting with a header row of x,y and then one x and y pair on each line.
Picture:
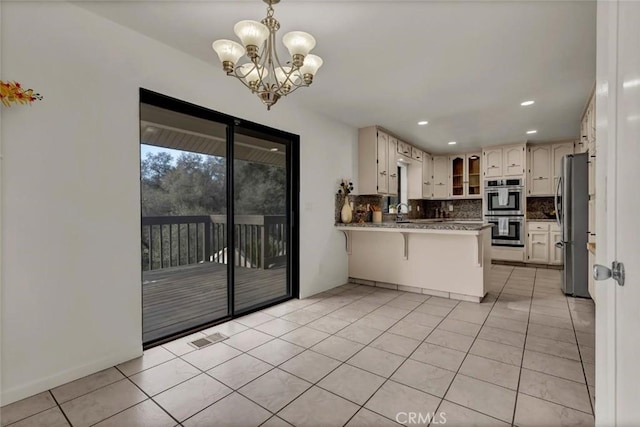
x,y
12,92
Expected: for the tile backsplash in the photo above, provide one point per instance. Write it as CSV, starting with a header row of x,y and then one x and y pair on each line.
x,y
462,208
540,207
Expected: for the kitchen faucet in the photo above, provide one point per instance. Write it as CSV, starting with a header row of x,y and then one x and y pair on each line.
x,y
399,216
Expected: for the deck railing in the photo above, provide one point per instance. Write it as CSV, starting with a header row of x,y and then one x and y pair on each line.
x,y
170,241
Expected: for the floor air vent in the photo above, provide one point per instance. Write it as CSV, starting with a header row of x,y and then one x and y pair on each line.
x,y
208,340
200,343
217,337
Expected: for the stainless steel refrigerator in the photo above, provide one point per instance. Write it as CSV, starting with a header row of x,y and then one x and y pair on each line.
x,y
572,214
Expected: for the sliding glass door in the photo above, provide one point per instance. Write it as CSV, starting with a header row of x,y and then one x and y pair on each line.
x,y
260,217
217,235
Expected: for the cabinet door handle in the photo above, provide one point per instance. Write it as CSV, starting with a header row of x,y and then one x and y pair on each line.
x,y
513,164
393,175
427,183
383,173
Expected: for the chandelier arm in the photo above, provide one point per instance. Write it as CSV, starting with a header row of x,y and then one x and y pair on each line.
x,y
296,87
242,80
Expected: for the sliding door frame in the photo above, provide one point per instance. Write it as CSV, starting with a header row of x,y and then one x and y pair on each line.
x,y
292,143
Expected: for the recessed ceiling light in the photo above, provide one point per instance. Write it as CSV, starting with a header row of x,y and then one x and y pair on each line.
x,y
525,103
452,143
532,131
422,123
274,149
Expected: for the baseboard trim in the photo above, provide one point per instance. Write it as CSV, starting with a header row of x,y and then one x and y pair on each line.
x,y
527,264
30,389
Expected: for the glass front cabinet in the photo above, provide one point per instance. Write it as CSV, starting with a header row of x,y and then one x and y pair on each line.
x,y
465,171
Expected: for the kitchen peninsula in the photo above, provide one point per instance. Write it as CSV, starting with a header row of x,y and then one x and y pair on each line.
x,y
443,258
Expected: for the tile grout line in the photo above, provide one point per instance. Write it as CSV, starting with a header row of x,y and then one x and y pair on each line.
x,y
524,349
60,407
469,349
340,362
403,362
361,406
278,366
584,373
143,392
36,413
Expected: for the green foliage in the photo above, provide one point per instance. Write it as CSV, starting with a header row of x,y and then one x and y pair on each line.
x,y
195,184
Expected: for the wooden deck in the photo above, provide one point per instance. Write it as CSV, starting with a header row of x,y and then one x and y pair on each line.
x,y
179,298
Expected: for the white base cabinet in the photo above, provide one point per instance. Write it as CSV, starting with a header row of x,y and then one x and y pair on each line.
x,y
541,239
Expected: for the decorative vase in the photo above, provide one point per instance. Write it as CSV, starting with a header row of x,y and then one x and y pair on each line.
x,y
346,214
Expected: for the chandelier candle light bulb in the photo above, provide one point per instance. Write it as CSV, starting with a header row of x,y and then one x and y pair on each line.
x,y
263,73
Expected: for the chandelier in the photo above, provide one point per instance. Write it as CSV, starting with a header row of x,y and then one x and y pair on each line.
x,y
263,73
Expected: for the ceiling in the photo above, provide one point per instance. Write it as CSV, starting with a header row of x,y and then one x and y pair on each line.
x,y
463,66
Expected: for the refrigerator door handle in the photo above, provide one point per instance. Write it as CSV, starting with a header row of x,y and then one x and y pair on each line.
x,y
559,244
555,200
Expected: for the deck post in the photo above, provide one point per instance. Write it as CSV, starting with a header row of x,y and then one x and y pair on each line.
x,y
263,245
207,239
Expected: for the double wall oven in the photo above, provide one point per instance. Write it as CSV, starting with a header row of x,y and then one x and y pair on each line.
x,y
504,208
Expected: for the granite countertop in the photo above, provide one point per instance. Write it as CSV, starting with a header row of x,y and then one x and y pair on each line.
x,y
425,225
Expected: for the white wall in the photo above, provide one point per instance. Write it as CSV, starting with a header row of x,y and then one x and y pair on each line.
x,y
71,297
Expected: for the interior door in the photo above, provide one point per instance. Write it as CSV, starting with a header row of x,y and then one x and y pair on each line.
x,y
618,230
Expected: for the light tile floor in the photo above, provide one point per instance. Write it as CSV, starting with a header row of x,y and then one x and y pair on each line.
x,y
357,356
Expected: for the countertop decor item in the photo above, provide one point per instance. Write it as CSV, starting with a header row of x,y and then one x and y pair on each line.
x,y
377,214
263,73
346,187
346,214
12,92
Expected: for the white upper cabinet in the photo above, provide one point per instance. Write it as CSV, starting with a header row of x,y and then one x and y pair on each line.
x,y
513,160
383,170
416,154
545,167
376,162
492,162
427,176
404,149
473,178
558,151
392,168
539,176
440,177
504,161
457,176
